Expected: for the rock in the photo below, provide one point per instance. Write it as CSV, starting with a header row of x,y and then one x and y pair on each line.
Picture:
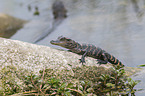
x,y
9,25
20,58
29,57
59,13
59,10
33,57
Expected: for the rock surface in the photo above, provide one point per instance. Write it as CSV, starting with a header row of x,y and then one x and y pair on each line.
x,y
9,25
33,57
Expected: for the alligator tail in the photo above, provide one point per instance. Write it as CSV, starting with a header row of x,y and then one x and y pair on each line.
x,y
113,60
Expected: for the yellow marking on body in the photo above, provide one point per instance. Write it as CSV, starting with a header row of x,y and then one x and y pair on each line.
x,y
98,52
111,57
77,45
118,63
94,51
86,47
115,60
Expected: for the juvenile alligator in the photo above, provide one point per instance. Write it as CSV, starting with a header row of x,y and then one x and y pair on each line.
x,y
86,50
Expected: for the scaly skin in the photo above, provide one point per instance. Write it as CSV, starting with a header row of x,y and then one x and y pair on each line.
x,y
86,50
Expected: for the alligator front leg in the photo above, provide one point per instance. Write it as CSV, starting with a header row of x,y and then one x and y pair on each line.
x,y
103,61
78,50
82,60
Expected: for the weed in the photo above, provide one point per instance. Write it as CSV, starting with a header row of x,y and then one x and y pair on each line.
x,y
86,81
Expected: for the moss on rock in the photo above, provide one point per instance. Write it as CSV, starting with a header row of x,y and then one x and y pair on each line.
x,y
9,25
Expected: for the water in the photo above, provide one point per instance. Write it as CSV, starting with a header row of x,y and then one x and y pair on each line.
x,y
115,25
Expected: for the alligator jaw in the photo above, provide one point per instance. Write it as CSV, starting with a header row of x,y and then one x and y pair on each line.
x,y
57,42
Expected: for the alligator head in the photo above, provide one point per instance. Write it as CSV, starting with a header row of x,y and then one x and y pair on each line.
x,y
64,42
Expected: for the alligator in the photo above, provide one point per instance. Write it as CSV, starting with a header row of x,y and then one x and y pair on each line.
x,y
86,50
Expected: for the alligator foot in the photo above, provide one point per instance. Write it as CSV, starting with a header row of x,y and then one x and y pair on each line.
x,y
82,60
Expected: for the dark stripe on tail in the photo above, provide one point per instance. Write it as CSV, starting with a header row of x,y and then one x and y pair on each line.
x,y
113,60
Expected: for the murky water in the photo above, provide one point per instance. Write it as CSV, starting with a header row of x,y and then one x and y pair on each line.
x,y
114,25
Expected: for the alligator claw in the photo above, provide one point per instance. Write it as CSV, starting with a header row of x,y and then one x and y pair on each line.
x,y
82,61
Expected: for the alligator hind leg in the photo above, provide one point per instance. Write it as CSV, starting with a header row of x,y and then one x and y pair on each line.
x,y
103,61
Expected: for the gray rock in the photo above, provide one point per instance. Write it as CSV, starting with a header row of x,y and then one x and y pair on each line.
x,y
33,57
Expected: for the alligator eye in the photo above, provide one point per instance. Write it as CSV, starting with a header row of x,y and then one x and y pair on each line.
x,y
62,39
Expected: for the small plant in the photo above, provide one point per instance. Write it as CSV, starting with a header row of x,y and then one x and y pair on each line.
x,y
113,83
142,65
39,85
130,84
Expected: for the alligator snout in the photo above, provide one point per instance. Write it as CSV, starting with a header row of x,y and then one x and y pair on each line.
x,y
55,42
52,41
